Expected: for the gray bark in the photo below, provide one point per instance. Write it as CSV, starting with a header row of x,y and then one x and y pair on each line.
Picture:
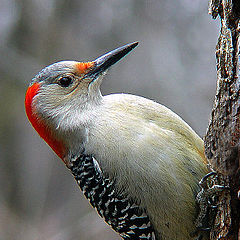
x,y
222,144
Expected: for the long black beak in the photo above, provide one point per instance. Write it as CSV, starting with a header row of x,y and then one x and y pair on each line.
x,y
107,60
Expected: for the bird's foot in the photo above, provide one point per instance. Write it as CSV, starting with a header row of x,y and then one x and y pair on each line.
x,y
207,201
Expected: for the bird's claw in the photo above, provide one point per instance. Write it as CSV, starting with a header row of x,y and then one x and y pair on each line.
x,y
203,181
206,199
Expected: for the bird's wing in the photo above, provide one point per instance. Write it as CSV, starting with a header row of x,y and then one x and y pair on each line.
x,y
120,212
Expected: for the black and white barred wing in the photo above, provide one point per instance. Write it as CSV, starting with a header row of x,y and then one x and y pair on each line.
x,y
119,212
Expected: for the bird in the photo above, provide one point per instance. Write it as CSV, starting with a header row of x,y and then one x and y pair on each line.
x,y
136,161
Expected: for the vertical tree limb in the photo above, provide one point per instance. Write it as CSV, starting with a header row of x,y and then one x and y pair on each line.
x,y
222,144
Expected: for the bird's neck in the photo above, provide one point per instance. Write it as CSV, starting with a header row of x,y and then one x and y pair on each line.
x,y
40,126
65,128
73,128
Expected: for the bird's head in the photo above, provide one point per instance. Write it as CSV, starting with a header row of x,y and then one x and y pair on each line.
x,y
65,88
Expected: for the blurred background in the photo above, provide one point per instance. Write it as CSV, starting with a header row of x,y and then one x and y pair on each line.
x,y
174,64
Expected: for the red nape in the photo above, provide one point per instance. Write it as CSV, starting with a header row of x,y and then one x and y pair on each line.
x,y
39,125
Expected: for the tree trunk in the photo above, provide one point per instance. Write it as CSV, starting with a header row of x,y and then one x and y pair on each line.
x,y
222,144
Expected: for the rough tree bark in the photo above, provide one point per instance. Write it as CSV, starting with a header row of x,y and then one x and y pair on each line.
x,y
222,144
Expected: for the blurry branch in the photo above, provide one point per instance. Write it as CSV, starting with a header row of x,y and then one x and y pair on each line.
x,y
222,144
13,62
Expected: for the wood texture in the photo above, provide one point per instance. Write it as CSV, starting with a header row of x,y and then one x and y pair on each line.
x,y
222,144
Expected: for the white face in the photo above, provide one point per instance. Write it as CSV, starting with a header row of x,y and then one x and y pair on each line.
x,y
65,88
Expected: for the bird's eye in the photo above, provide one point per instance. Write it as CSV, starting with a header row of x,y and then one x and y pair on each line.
x,y
65,81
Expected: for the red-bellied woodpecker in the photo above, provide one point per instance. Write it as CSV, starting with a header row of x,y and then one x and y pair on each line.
x,y
137,162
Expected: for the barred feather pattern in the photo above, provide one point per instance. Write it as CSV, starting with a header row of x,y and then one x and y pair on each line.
x,y
125,217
